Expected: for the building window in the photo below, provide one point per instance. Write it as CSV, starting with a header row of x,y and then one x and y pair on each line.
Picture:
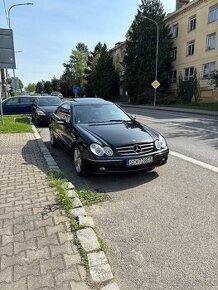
x,y
192,23
213,13
191,47
211,41
173,76
174,30
173,53
208,69
188,73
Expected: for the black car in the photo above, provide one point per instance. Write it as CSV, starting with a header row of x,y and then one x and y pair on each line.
x,y
43,107
18,105
104,138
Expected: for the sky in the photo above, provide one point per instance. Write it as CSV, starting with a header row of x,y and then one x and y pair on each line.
x,y
46,32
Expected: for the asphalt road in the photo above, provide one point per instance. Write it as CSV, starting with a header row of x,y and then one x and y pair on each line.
x,y
161,227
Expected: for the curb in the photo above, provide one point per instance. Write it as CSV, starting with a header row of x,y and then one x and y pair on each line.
x,y
99,268
167,109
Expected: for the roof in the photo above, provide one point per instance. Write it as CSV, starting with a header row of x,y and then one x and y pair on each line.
x,y
88,100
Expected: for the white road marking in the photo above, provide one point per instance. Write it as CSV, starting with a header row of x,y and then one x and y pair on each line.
x,y
194,161
178,125
213,117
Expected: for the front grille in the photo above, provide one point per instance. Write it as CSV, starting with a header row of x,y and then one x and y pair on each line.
x,y
131,149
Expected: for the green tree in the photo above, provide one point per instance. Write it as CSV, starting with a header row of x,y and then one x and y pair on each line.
x,y
214,79
105,78
40,87
91,70
188,90
55,84
140,57
78,64
47,87
30,88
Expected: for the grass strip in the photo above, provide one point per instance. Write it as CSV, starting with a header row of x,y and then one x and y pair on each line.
x,y
16,124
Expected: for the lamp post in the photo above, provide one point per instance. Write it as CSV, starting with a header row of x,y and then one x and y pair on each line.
x,y
156,61
9,24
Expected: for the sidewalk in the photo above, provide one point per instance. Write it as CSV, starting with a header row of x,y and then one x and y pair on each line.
x,y
36,244
180,110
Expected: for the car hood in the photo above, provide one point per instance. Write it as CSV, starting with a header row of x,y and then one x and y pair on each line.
x,y
118,134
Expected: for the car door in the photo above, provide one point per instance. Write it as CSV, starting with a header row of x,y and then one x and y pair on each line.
x,y
26,105
11,106
68,129
57,123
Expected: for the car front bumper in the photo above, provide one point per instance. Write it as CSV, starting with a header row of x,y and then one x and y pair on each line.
x,y
119,164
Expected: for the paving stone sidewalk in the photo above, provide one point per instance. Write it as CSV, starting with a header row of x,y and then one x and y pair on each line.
x,y
36,244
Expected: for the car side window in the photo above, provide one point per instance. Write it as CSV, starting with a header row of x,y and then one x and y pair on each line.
x,y
26,100
13,101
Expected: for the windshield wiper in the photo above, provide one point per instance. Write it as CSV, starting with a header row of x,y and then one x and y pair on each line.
x,y
119,120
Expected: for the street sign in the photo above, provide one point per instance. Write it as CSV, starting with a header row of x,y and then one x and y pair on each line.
x,y
7,56
155,84
15,83
76,89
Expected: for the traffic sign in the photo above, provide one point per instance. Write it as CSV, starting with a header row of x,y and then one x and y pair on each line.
x,y
155,84
76,89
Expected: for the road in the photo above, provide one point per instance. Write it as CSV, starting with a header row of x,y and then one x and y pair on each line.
x,y
161,227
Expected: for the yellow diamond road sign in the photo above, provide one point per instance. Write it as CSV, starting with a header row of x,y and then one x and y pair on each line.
x,y
155,84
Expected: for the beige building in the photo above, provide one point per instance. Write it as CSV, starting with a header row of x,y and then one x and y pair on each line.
x,y
194,28
118,52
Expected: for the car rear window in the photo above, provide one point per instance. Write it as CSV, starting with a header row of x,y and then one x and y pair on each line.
x,y
49,101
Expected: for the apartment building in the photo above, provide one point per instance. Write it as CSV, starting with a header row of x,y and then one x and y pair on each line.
x,y
194,29
118,52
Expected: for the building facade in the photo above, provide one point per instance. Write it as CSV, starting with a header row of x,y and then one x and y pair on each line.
x,y
194,30
118,52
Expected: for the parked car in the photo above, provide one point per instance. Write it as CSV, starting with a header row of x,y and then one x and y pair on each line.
x,y
43,107
104,138
58,94
18,105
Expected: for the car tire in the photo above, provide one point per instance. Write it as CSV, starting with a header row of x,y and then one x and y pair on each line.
x,y
36,121
53,140
78,162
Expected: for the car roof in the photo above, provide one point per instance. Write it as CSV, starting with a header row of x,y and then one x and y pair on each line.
x,y
84,101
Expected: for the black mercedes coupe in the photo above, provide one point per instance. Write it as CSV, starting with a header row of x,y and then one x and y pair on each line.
x,y
103,138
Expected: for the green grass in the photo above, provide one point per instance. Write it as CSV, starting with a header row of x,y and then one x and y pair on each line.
x,y
15,124
89,197
57,180
200,106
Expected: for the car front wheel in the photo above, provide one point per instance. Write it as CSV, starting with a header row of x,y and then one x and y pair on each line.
x,y
79,162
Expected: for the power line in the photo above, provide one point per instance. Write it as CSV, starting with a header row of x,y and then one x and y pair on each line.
x,y
5,12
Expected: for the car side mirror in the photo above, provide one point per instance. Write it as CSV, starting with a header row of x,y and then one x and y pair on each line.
x,y
133,117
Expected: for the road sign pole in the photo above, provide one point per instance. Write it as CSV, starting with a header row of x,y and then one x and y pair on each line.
x,y
2,120
155,96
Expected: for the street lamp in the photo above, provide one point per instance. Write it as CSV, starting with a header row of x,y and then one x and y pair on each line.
x,y
9,24
156,62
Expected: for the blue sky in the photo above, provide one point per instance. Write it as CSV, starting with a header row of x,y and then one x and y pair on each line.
x,y
47,31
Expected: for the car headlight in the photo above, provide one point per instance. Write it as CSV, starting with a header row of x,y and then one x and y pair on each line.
x,y
97,149
40,113
160,143
108,151
100,151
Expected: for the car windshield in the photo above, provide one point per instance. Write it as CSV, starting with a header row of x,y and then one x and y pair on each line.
x,y
99,113
49,101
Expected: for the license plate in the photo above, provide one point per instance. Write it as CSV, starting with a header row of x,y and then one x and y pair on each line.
x,y
139,161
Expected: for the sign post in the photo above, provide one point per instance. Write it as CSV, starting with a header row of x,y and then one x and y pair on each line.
x,y
76,90
155,85
7,57
2,120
